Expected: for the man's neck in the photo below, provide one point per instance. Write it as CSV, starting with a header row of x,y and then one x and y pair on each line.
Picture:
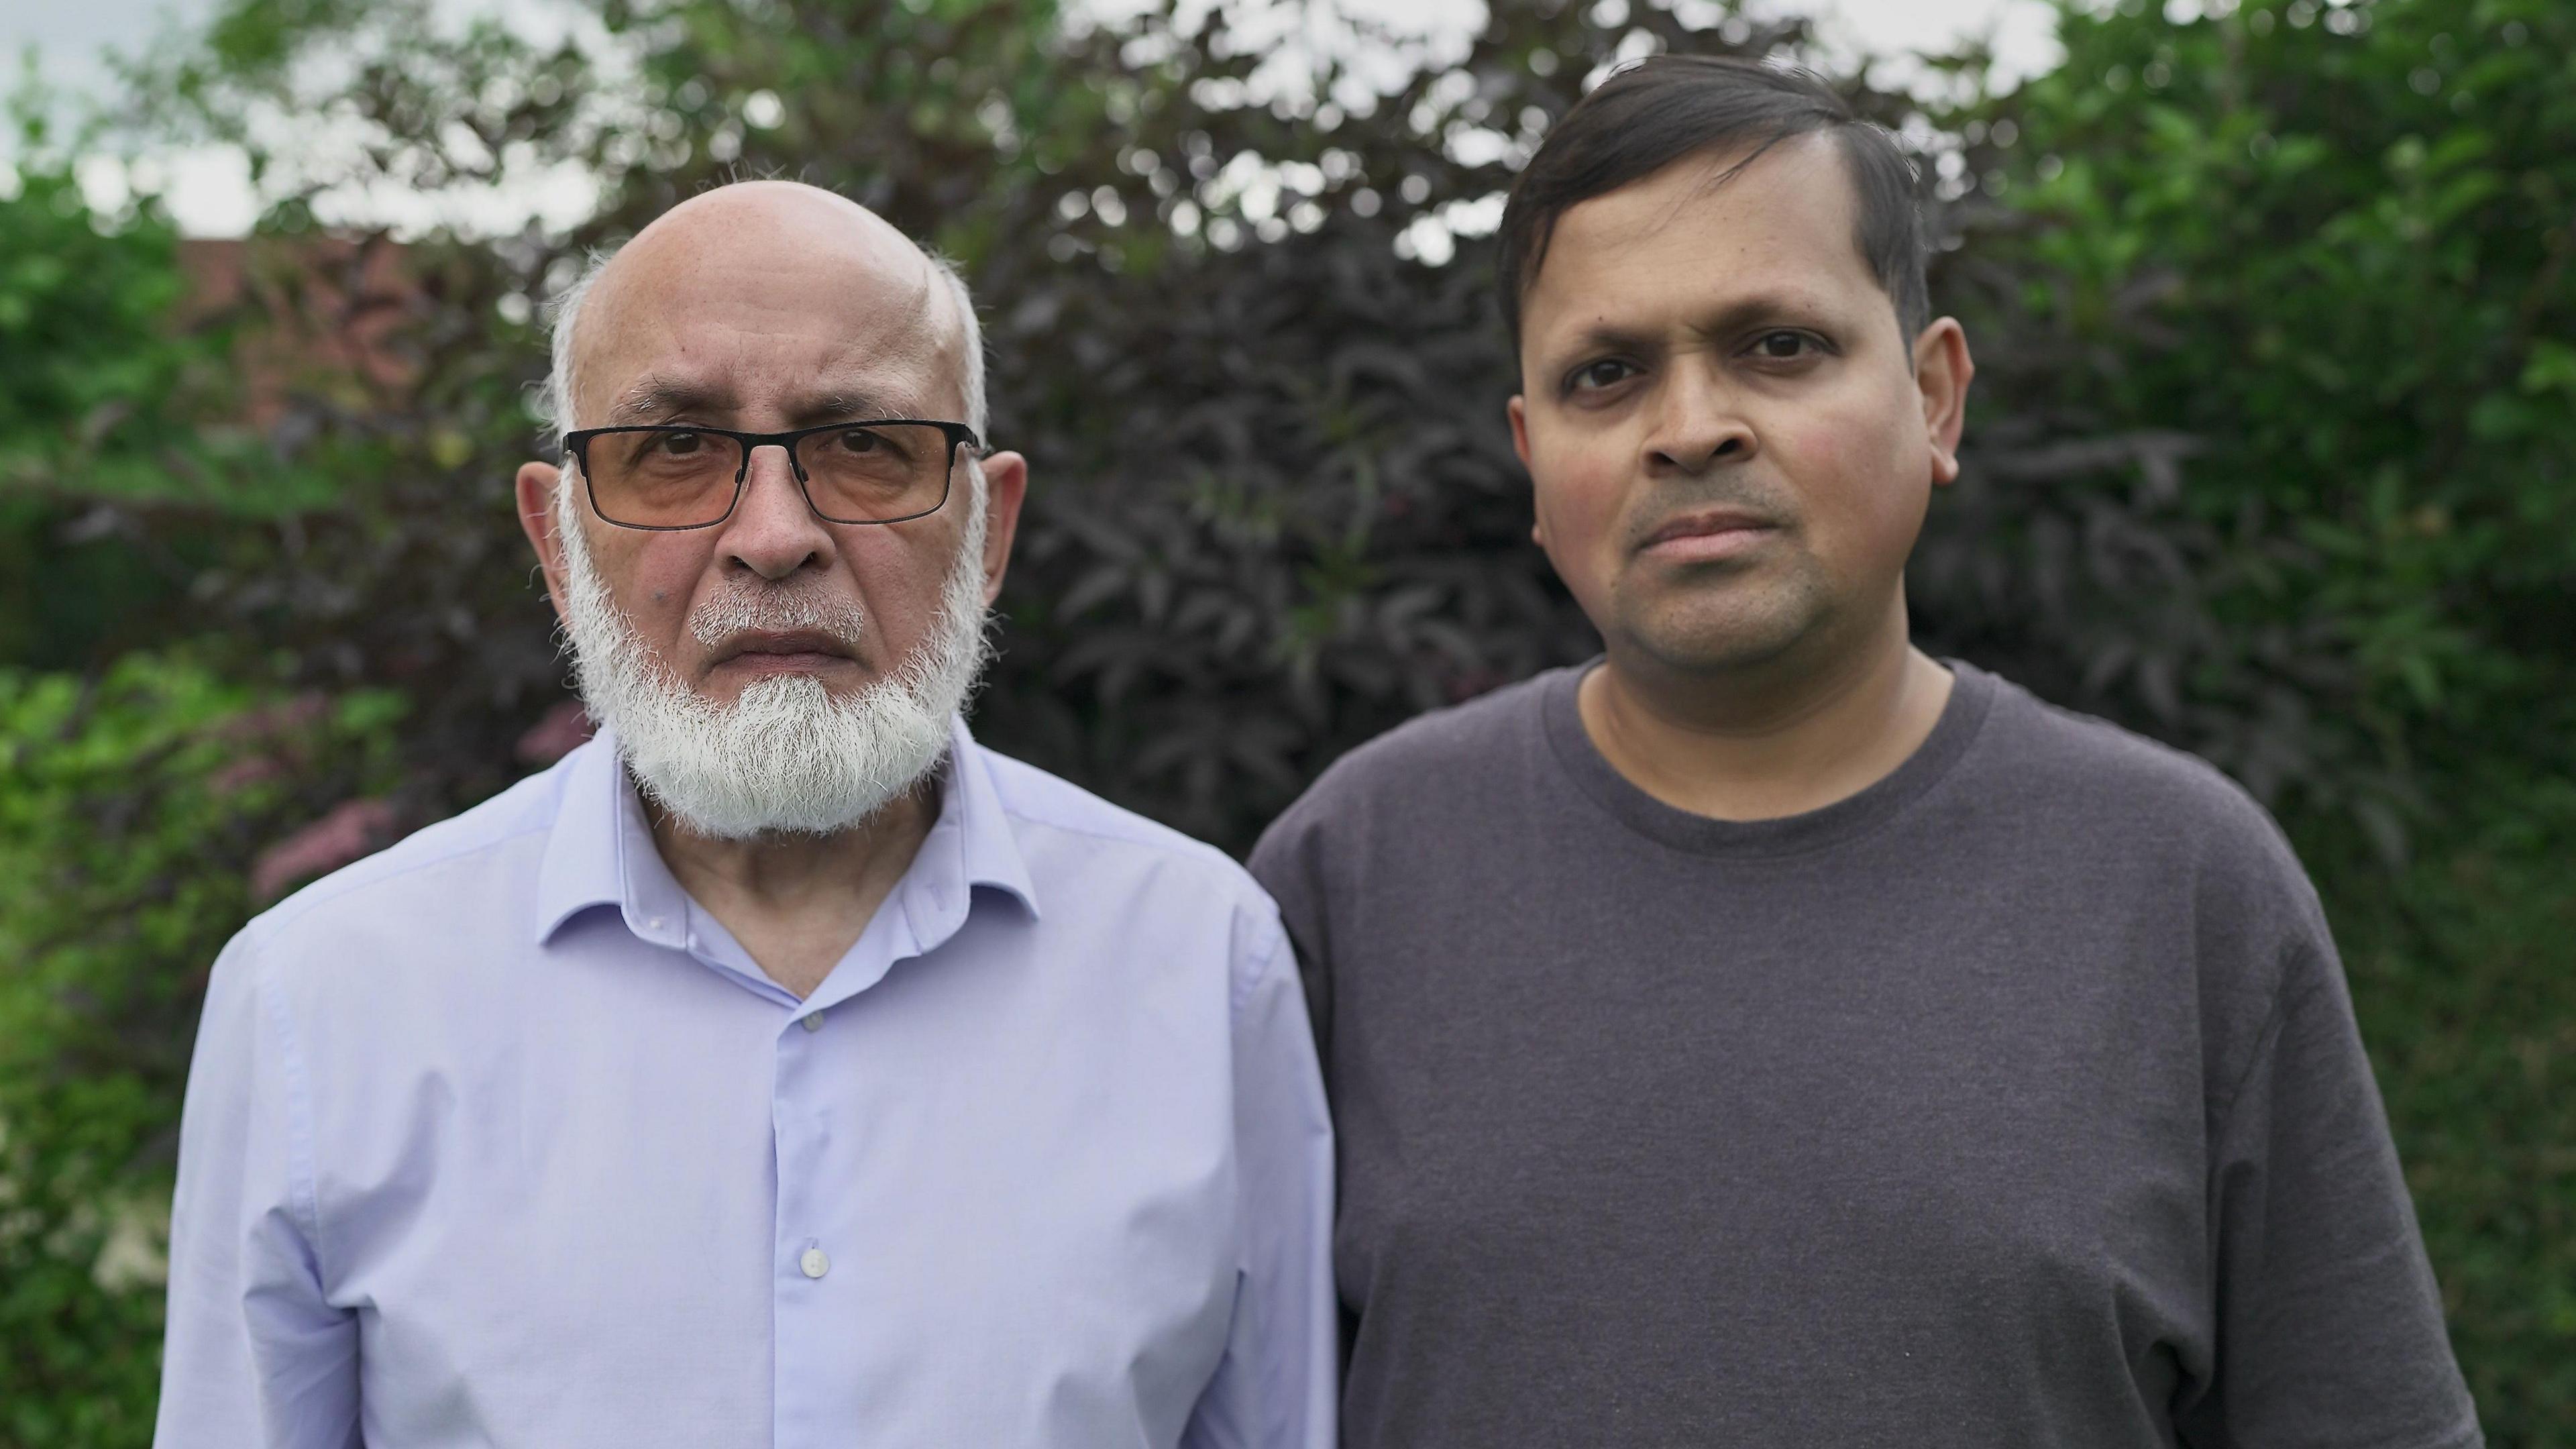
x,y
1773,740
797,903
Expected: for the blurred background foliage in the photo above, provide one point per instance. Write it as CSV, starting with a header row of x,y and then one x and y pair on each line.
x,y
2269,457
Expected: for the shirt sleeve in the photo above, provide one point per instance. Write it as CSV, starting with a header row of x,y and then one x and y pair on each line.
x,y
1277,1385
2330,1329
255,1357
1284,862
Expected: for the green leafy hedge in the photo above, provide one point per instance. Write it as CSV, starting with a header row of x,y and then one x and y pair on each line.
x,y
2323,255
135,807
2464,976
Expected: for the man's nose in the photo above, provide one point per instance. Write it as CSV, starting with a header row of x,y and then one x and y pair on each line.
x,y
772,532
1700,423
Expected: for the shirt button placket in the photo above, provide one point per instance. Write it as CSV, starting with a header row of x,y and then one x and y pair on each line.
x,y
805,1388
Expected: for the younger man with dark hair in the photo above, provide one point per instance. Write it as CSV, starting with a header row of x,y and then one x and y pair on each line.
x,y
1769,1035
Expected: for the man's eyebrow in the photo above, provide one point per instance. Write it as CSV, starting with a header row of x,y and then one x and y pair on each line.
x,y
655,398
1736,315
841,402
1609,337
1764,307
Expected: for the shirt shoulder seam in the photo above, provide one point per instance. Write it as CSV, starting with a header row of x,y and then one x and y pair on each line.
x,y
2289,1000
324,892
1185,848
303,1178
1250,971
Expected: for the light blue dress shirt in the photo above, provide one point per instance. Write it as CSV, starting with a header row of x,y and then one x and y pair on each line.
x,y
496,1138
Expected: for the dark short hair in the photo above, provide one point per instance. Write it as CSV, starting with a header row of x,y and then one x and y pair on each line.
x,y
1669,107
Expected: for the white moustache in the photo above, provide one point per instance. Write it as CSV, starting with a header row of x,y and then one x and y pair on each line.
x,y
774,610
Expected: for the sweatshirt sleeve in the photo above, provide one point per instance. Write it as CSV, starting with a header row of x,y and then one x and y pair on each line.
x,y
2330,1329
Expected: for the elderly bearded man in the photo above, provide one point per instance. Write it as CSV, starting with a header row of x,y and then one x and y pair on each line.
x,y
782,1067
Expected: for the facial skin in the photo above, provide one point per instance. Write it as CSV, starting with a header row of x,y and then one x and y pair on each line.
x,y
765,306
1732,442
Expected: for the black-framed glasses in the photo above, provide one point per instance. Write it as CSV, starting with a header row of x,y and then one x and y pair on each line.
x,y
673,475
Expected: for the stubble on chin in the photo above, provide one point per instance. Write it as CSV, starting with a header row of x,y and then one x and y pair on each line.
x,y
1719,620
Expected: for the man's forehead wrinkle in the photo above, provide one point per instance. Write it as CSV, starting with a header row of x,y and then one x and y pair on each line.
x,y
656,395
932,334
915,355
1719,171
735,279
828,402
936,291
611,318
887,375
660,395
648,352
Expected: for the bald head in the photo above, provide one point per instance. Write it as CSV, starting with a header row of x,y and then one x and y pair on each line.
x,y
682,308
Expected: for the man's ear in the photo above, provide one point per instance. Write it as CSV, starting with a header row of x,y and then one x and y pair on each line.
x,y
537,483
1518,411
1006,485
1942,370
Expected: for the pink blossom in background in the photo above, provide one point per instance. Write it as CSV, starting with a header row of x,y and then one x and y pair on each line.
x,y
308,708
243,773
563,729
350,830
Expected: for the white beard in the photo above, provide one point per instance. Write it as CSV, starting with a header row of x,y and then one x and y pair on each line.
x,y
785,756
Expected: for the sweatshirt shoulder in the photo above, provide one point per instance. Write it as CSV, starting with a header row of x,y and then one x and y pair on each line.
x,y
2093,772
2073,750
1432,777
1435,751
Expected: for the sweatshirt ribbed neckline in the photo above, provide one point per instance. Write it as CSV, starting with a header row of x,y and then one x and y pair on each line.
x,y
1971,697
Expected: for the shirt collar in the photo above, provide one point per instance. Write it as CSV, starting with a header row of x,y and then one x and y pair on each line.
x,y
600,850
988,848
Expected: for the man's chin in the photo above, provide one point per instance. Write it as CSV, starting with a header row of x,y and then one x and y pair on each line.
x,y
1717,637
775,788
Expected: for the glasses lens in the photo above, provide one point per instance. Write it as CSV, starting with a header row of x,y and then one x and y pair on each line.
x,y
663,478
876,472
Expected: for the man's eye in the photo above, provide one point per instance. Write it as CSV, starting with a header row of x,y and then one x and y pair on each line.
x,y
860,440
1783,346
1593,376
678,445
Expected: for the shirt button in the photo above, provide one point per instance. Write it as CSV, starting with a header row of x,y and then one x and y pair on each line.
x,y
812,1021
814,1263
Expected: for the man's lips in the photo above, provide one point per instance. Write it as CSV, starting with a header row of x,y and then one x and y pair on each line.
x,y
1709,534
792,650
